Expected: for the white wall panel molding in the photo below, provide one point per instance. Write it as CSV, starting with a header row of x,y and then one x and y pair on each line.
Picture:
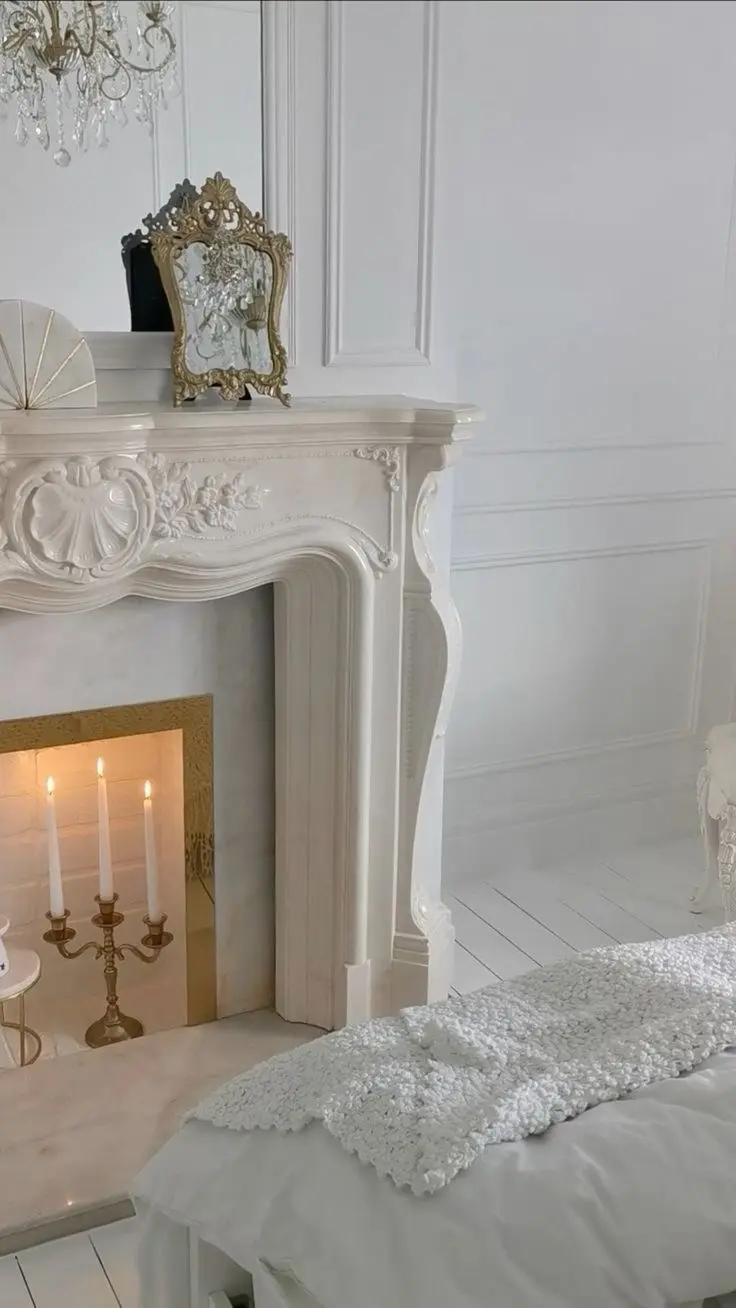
x,y
279,144
334,218
185,75
427,183
480,561
639,726
158,195
595,501
374,353
481,797
484,450
575,477
662,547
541,529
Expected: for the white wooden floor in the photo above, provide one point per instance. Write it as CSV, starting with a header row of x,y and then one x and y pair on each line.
x,y
96,1270
505,926
517,921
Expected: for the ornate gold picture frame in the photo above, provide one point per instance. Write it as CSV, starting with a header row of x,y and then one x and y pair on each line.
x,y
224,275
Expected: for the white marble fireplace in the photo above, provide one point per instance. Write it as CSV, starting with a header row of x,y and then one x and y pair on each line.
x,y
330,501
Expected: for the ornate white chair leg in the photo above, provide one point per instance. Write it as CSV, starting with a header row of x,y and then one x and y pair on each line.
x,y
727,859
710,834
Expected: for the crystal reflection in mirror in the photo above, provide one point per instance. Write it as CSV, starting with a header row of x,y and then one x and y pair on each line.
x,y
226,291
224,275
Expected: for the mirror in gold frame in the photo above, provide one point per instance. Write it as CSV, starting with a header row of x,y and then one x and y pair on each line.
x,y
224,275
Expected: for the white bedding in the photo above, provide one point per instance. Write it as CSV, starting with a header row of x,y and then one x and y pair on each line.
x,y
420,1095
632,1205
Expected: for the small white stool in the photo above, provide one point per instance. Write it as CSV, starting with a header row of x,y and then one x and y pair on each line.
x,y
24,971
717,809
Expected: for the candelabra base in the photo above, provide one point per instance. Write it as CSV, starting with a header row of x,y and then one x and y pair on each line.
x,y
103,1033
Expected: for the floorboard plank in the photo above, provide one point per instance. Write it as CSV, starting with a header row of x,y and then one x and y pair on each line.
x,y
487,945
470,973
664,916
116,1246
595,873
511,921
535,895
66,1274
603,913
668,872
676,864
13,1292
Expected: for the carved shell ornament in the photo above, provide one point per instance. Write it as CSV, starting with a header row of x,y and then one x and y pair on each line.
x,y
79,518
84,515
45,363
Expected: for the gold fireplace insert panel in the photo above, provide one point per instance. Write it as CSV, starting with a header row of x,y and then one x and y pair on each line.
x,y
192,716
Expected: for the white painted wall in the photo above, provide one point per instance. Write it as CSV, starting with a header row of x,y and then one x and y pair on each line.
x,y
527,205
60,235
357,163
594,525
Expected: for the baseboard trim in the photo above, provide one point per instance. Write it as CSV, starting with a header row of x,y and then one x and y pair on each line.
x,y
72,1223
555,837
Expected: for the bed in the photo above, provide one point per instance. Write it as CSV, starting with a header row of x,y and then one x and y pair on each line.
x,y
631,1205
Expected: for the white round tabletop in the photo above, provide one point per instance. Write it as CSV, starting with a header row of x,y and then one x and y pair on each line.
x,y
24,971
4,924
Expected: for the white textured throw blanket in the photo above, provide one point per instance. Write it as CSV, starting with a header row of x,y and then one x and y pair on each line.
x,y
421,1095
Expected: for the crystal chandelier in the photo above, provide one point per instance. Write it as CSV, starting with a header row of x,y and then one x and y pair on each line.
x,y
82,56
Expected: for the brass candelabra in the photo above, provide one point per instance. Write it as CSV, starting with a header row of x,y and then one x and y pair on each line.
x,y
114,1026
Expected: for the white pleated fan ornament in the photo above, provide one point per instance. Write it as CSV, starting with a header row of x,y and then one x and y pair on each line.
x,y
45,363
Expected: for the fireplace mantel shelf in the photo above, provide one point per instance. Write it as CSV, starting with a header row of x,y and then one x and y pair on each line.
x,y
230,425
330,500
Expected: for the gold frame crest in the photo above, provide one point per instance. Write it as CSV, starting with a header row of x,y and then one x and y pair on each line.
x,y
217,208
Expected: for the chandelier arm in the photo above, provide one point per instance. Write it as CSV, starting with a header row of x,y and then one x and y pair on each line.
x,y
150,68
91,12
24,27
53,13
121,67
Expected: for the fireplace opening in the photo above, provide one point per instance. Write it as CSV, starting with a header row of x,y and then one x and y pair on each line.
x,y
107,908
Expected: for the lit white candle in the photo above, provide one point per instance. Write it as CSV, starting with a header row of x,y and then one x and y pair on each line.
x,y
103,835
154,907
56,889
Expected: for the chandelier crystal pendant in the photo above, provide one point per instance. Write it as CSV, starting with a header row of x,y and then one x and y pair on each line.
x,y
79,60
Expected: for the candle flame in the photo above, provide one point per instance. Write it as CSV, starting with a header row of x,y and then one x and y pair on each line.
x,y
100,768
147,790
50,785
